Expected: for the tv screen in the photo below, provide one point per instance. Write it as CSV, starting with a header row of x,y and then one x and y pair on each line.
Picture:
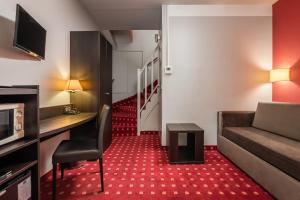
x,y
30,36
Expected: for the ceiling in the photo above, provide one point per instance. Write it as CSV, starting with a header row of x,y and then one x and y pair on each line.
x,y
142,14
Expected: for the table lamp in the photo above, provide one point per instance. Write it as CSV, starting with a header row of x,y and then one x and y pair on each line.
x,y
72,86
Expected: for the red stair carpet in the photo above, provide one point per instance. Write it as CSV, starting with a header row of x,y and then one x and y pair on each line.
x,y
136,168
125,114
124,117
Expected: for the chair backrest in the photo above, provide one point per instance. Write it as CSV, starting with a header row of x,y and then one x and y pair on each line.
x,y
101,122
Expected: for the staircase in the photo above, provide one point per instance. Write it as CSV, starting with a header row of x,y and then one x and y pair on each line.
x,y
133,115
124,115
148,85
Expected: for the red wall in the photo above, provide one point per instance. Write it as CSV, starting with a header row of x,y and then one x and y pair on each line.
x,y
286,48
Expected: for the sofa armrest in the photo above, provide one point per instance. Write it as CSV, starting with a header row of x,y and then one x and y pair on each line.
x,y
234,119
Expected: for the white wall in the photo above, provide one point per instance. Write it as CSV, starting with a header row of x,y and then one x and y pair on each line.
x,y
220,57
127,58
58,18
125,65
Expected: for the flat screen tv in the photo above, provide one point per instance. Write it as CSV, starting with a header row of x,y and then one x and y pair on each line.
x,y
29,36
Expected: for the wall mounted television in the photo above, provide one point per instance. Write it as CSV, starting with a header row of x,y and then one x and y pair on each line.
x,y
29,36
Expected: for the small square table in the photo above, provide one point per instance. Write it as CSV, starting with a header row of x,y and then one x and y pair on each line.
x,y
193,152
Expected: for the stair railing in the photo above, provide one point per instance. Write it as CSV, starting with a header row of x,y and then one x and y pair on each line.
x,y
147,83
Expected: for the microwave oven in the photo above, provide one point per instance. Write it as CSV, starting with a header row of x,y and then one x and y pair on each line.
x,y
11,122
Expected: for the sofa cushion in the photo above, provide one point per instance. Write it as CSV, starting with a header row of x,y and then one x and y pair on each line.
x,y
281,152
280,118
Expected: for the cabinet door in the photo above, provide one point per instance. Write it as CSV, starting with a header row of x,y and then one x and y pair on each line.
x,y
106,86
84,66
91,62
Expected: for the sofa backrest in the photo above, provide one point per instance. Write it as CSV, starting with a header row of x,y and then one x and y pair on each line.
x,y
279,118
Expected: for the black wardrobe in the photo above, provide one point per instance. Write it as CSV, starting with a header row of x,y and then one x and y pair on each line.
x,y
91,63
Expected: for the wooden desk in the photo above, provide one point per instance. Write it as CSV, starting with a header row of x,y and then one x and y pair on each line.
x,y
52,126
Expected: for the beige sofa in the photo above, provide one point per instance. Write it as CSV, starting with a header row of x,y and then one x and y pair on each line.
x,y
266,145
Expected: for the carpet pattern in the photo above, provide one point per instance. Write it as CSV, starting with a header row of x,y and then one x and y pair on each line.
x,y
137,168
124,117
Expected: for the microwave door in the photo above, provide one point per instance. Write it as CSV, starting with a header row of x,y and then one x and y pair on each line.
x,y
6,123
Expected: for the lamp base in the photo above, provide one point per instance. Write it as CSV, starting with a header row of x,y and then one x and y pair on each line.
x,y
71,110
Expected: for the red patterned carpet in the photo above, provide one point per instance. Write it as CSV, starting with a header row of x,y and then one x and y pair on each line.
x,y
136,168
124,117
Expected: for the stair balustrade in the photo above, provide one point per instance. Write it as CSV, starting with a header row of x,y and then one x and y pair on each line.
x,y
148,83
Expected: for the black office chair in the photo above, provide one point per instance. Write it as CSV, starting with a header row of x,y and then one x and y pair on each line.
x,y
78,150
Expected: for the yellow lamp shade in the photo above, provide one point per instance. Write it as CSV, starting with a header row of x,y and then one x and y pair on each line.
x,y
280,74
73,86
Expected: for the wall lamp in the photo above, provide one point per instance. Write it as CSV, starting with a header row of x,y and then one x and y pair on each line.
x,y
280,74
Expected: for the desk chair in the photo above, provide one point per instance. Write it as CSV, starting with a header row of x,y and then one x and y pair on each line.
x,y
78,150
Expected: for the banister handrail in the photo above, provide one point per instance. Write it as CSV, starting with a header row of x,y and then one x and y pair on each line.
x,y
156,87
151,59
142,77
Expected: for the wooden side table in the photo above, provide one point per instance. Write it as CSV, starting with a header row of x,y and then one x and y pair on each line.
x,y
193,152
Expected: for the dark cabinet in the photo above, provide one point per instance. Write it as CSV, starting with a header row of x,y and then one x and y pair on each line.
x,y
106,85
91,63
21,157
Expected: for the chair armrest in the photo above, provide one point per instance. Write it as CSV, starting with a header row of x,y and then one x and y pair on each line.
x,y
234,119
